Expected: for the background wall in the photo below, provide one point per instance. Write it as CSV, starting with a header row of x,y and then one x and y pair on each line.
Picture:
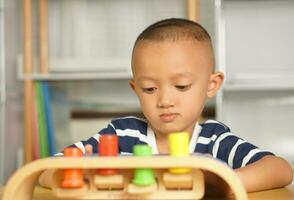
x,y
11,90
256,48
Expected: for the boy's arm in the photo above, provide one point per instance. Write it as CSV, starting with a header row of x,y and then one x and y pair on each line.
x,y
267,173
45,179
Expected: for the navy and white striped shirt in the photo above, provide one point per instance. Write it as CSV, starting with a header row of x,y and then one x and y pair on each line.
x,y
211,137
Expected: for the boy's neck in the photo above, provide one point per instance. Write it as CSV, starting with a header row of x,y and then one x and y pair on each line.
x,y
162,141
162,144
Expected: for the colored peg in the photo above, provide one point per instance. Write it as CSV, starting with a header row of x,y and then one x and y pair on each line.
x,y
72,178
108,146
143,176
179,146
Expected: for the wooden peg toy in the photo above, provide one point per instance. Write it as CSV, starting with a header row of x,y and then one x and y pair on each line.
x,y
21,185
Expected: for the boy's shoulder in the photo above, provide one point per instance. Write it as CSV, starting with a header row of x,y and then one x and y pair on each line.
x,y
213,127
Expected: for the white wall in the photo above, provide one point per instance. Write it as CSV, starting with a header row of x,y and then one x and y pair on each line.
x,y
13,111
257,45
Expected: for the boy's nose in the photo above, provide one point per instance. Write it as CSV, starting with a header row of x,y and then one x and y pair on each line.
x,y
165,100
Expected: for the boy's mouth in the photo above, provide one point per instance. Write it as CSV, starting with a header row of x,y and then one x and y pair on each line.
x,y
168,117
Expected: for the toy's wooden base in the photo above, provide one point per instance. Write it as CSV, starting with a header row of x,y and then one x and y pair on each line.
x,y
71,193
286,193
134,189
109,182
180,181
168,186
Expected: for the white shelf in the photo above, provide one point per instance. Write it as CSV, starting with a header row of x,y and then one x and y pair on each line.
x,y
257,87
113,71
74,65
270,81
76,76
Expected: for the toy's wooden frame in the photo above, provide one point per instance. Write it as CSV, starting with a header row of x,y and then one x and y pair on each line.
x,y
21,184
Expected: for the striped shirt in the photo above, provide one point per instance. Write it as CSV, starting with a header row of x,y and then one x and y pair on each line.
x,y
211,137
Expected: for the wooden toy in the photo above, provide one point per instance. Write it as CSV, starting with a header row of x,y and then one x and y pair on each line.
x,y
141,176
21,185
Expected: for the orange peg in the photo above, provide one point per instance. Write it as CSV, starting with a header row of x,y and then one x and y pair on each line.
x,y
72,178
108,146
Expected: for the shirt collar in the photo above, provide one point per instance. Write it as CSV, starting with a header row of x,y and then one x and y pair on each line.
x,y
152,141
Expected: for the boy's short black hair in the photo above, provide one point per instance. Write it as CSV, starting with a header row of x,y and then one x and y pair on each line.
x,y
173,29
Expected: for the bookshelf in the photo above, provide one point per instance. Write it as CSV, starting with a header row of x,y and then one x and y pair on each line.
x,y
54,68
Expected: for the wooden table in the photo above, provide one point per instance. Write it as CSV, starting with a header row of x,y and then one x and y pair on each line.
x,y
277,194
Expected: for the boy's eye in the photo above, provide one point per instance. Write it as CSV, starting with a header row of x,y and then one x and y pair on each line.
x,y
183,87
149,90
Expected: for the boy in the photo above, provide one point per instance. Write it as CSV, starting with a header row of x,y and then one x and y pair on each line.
x,y
173,75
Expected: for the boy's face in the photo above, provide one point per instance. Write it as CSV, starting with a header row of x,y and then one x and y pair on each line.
x,y
172,81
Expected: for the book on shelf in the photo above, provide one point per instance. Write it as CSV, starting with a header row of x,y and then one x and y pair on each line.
x,y
35,127
48,117
42,128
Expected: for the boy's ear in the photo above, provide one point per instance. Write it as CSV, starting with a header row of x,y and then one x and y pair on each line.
x,y
215,81
132,84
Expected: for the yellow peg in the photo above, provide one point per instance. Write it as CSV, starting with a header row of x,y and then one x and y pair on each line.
x,y
179,146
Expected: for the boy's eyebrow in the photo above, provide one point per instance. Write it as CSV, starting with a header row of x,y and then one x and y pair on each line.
x,y
179,75
146,78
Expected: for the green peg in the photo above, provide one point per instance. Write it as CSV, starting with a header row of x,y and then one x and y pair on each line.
x,y
143,176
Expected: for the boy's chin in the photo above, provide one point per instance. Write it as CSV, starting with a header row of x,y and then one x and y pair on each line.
x,y
170,129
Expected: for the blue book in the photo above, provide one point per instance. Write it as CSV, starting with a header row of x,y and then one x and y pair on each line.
x,y
48,116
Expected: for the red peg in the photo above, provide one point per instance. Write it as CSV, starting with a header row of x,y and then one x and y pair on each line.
x,y
108,146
